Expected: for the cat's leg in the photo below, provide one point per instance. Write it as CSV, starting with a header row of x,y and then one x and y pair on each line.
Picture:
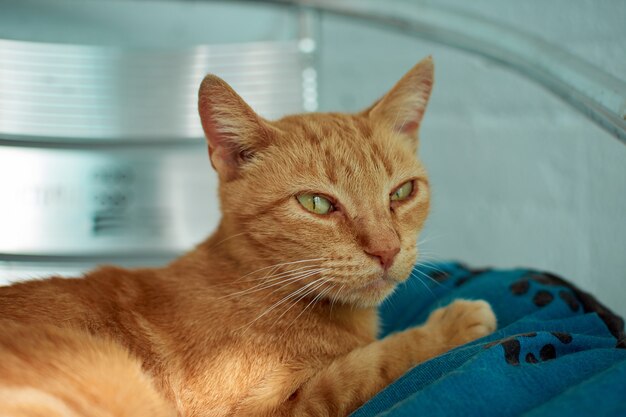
x,y
50,371
351,380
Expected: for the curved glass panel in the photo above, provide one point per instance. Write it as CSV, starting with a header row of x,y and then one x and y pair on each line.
x,y
594,92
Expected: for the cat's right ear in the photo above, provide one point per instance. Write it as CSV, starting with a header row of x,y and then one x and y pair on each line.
x,y
233,130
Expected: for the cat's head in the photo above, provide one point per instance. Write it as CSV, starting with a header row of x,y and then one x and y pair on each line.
x,y
335,200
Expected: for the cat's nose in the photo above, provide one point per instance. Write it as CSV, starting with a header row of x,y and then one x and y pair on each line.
x,y
385,256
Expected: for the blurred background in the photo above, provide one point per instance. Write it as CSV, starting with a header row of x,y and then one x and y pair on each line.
x,y
102,158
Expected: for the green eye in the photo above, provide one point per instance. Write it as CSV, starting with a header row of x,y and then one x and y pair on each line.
x,y
315,203
403,191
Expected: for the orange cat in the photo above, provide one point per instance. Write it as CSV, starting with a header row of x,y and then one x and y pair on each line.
x,y
275,314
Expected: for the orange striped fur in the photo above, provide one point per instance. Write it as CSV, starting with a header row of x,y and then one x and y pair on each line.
x,y
275,313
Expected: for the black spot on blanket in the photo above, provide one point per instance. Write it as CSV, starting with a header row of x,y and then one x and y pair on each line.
x,y
530,358
520,287
564,338
542,298
547,352
570,300
471,274
439,276
574,298
512,347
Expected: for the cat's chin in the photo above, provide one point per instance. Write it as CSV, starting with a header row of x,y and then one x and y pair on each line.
x,y
373,293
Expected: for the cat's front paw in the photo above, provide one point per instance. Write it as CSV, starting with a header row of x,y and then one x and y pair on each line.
x,y
462,321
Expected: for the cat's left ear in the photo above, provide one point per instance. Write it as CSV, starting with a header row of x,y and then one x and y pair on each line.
x,y
403,107
234,132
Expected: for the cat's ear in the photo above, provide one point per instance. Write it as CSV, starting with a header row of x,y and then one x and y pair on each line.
x,y
403,107
233,130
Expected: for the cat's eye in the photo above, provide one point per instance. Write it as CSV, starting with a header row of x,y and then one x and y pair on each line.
x,y
402,192
315,203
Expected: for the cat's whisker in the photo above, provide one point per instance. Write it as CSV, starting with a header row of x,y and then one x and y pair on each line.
x,y
431,268
428,277
312,290
278,289
282,275
427,237
297,291
313,301
429,256
429,265
280,264
285,299
335,298
299,278
264,285
305,294
269,278
419,279
271,272
426,255
228,238
286,281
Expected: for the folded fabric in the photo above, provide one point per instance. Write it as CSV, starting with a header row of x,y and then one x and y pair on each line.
x,y
558,351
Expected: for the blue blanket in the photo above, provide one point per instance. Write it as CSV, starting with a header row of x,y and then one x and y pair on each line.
x,y
558,352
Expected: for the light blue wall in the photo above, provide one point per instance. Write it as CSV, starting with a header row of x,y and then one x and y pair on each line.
x,y
518,177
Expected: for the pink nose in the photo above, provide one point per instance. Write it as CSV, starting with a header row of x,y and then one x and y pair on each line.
x,y
384,256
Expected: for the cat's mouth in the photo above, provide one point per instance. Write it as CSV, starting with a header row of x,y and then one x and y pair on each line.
x,y
370,291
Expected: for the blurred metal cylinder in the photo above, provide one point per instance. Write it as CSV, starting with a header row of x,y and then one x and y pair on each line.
x,y
102,155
